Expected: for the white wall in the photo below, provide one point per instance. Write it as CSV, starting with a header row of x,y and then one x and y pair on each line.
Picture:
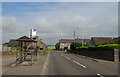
x,y
0,47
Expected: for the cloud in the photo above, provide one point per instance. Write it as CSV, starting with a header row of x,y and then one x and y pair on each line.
x,y
61,19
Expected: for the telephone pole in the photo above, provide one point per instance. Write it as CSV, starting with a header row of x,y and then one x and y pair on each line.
x,y
74,36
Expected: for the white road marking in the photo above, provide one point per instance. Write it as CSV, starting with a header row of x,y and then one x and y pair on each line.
x,y
61,54
99,75
67,57
45,65
79,64
74,61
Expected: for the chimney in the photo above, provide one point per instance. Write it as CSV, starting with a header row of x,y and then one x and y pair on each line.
x,y
31,33
37,38
40,38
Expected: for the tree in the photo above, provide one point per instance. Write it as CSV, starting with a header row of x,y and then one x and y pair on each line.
x,y
74,45
57,46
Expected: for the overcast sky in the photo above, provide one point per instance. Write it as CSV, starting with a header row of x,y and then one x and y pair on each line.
x,y
55,20
60,0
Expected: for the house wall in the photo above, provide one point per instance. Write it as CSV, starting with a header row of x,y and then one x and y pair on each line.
x,y
62,45
92,42
1,48
41,44
4,48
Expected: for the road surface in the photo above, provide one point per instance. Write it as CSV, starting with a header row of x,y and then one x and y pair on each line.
x,y
7,61
61,63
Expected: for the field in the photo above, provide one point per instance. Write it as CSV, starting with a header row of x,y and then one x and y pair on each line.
x,y
51,47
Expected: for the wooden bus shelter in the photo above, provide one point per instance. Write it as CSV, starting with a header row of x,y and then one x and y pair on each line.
x,y
24,52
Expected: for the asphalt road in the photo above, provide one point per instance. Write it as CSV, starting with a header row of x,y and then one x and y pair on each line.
x,y
7,61
24,69
61,63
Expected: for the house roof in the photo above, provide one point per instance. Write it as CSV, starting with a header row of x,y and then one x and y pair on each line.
x,y
117,39
66,40
101,39
25,39
76,40
5,43
12,41
86,40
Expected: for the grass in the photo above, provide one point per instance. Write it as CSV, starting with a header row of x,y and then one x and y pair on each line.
x,y
44,53
51,47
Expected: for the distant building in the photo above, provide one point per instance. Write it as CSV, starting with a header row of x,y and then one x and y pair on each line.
x,y
100,40
67,42
117,40
15,43
5,47
12,42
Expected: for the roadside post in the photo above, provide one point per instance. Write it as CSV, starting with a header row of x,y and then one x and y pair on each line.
x,y
116,55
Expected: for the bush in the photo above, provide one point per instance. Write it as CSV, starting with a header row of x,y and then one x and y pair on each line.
x,y
57,46
109,46
74,46
44,53
84,47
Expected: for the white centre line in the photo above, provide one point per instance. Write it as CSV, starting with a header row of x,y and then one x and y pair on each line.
x,y
99,75
61,54
79,64
74,61
67,57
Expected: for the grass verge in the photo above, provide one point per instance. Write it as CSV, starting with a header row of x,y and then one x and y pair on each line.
x,y
44,53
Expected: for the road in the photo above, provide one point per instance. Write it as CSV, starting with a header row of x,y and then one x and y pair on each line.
x,y
7,61
60,63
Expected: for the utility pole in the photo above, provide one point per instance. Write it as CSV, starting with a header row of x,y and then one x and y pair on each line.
x,y
74,36
82,37
82,42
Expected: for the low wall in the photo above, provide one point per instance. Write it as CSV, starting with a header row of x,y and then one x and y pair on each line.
x,y
105,54
119,55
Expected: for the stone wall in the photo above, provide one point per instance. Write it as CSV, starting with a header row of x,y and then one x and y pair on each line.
x,y
107,54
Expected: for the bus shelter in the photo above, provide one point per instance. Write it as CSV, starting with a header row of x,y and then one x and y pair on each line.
x,y
25,51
